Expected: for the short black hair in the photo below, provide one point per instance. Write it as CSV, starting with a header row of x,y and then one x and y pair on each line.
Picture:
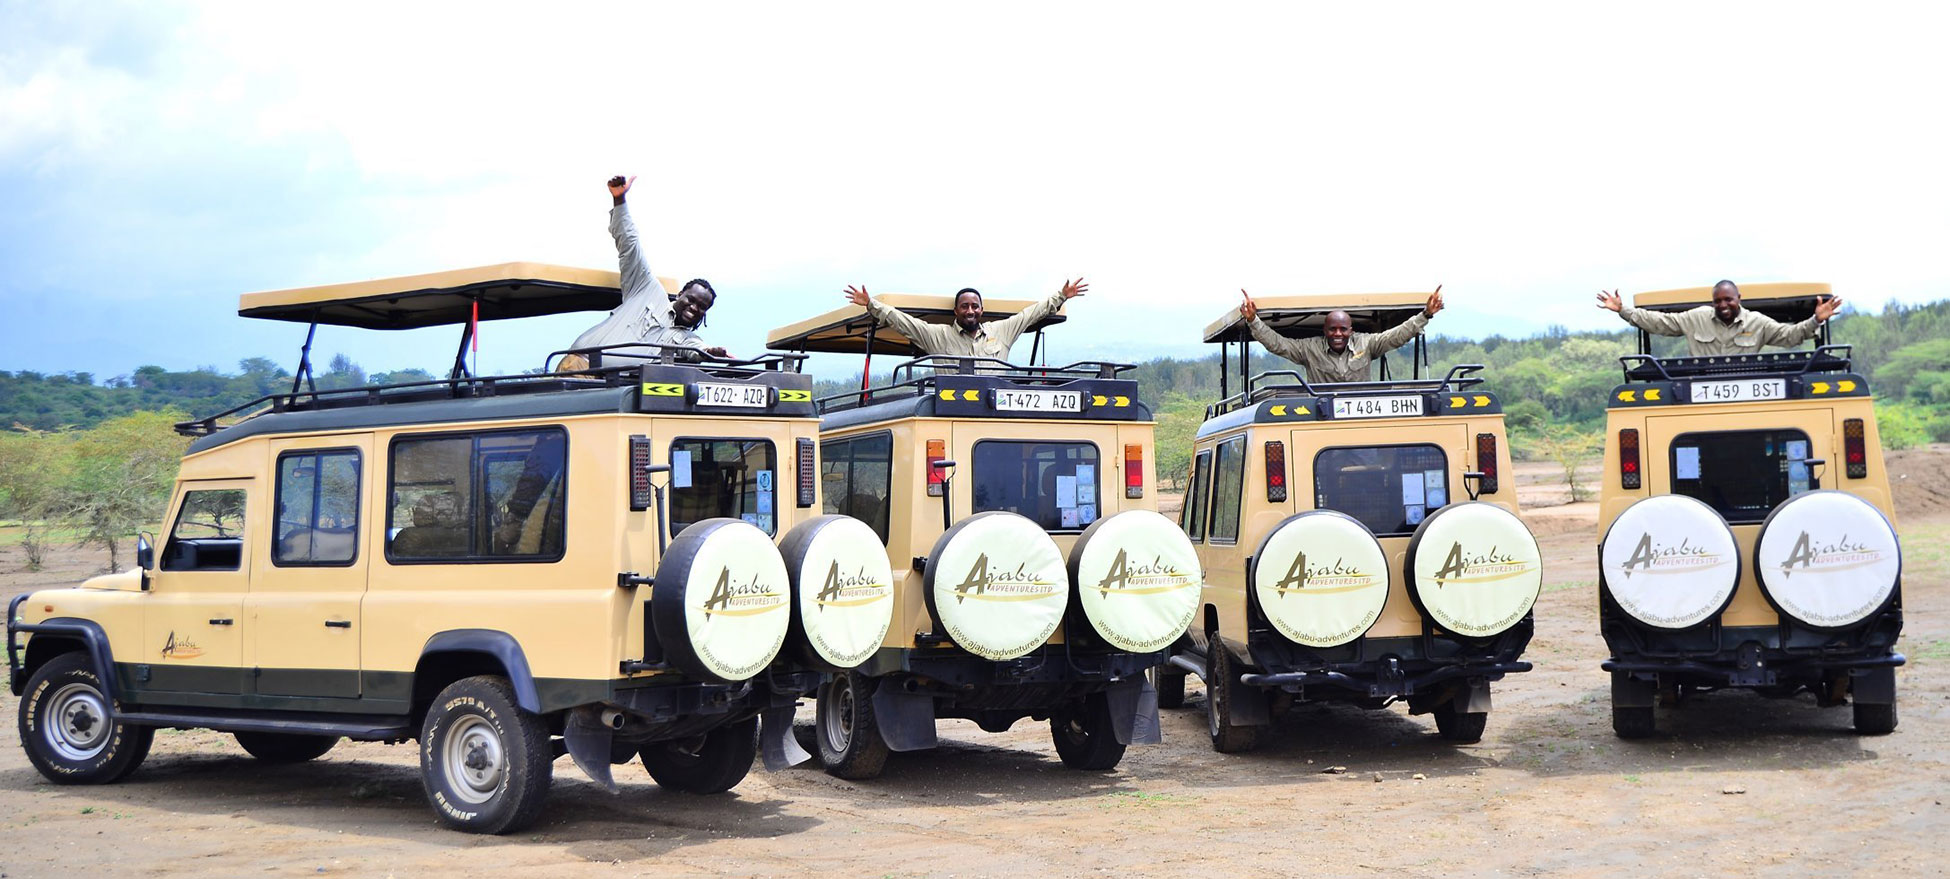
x,y
699,282
1727,283
978,294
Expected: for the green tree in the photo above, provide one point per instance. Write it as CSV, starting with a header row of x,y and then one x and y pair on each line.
x,y
33,467
121,477
1571,448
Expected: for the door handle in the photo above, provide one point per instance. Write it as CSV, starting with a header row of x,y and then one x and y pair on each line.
x,y
338,624
221,621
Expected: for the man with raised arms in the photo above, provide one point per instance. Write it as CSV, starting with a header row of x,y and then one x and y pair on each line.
x,y
1338,354
969,336
1723,327
647,314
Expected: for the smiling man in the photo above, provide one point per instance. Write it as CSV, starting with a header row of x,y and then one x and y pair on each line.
x,y
969,336
1338,354
647,314
1723,327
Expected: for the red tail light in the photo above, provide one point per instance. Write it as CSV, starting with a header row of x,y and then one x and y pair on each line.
x,y
1855,450
937,451
1486,462
1276,472
1628,458
807,471
1133,471
639,473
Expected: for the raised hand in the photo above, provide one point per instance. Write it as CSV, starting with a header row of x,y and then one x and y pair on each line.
x,y
1435,302
1247,309
718,352
1611,301
618,187
1826,308
857,296
1073,289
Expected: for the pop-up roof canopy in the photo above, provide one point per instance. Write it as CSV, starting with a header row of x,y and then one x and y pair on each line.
x,y
508,290
849,329
1784,302
1299,317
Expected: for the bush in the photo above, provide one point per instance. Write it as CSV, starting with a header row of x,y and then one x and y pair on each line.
x,y
1908,425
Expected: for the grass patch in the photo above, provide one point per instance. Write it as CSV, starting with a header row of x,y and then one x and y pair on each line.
x,y
1141,799
1574,584
1938,648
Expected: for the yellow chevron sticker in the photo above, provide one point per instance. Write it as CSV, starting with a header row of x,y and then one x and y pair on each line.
x,y
1120,402
661,389
1844,386
947,395
1818,387
1482,400
1457,402
1627,396
971,395
1099,400
794,396
1278,410
1651,393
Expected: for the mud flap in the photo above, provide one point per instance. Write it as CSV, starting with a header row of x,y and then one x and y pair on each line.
x,y
1630,692
1134,711
1250,705
906,720
775,741
1873,686
1474,697
588,741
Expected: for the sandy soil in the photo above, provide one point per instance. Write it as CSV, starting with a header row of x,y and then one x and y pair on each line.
x,y
1735,785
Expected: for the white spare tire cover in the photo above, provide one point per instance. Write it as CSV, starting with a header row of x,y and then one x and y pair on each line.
x,y
1828,559
1670,562
1320,578
996,583
842,591
720,604
1137,579
1474,569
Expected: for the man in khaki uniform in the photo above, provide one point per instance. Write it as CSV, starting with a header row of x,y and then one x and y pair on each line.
x,y
1723,327
1339,354
969,336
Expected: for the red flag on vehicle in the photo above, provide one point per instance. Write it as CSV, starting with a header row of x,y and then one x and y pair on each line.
x,y
474,326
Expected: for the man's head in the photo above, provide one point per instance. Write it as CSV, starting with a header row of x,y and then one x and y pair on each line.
x,y
1726,301
968,309
692,302
1337,328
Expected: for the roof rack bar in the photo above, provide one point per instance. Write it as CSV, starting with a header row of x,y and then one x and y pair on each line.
x,y
778,361
1827,358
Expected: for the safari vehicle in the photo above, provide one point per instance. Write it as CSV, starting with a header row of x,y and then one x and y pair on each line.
x,y
1746,529
1035,577
484,564
1342,560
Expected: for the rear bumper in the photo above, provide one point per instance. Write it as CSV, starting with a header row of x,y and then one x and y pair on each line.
x,y
1385,668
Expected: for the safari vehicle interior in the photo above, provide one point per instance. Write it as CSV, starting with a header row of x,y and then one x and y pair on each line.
x,y
1722,457
954,451
1334,487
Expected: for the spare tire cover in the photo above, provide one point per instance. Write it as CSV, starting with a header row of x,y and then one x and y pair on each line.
x,y
842,588
1828,559
1474,569
1137,579
1670,561
996,583
1320,578
720,603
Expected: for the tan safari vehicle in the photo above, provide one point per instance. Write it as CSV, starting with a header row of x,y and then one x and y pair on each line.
x,y
488,565
1358,541
1746,534
1035,578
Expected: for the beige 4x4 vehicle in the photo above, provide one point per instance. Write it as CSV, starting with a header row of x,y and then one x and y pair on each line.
x,y
469,563
1746,536
1035,577
1342,559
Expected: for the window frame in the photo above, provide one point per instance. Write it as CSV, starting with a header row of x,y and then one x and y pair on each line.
x,y
1197,496
888,435
1097,500
1448,495
358,507
182,509
670,521
1672,468
1239,501
477,479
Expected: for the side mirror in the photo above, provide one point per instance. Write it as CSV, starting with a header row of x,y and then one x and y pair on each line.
x,y
145,557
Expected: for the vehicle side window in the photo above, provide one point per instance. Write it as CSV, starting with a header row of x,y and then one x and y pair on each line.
x,y
1192,517
1055,484
1743,474
1390,489
730,478
1228,485
318,508
492,496
209,532
857,474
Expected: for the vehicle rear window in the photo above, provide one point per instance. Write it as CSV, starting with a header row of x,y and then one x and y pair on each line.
x,y
318,508
1390,489
733,478
491,496
856,473
1744,474
1228,484
1053,483
1192,516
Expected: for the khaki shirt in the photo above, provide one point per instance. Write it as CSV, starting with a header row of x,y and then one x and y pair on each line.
x,y
991,338
647,313
1354,362
1706,335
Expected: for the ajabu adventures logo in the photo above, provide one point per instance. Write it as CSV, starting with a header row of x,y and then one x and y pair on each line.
x,y
741,599
850,590
1819,557
1340,576
1649,557
988,584
1462,566
1142,579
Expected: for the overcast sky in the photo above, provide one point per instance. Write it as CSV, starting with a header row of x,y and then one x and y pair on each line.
x,y
158,159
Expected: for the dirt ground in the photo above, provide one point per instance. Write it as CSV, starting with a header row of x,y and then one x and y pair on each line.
x,y
1734,785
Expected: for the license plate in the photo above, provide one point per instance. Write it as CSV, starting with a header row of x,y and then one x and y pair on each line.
x,y
1377,407
1007,400
1739,390
715,394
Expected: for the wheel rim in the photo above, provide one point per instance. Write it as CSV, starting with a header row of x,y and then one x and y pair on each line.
x,y
1212,693
839,719
475,760
80,727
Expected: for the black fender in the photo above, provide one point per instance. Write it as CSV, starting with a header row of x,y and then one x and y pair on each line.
x,y
500,645
88,632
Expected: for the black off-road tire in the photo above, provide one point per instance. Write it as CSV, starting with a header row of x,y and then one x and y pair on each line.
x,y
285,747
1875,720
1459,726
1222,687
1629,722
68,726
709,764
847,730
1084,737
485,763
1170,684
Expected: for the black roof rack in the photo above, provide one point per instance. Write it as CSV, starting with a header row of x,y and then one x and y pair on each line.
x,y
919,377
1260,387
1646,368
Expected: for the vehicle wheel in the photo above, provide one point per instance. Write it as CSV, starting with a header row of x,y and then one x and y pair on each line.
x,y
485,763
1875,720
1222,687
285,747
1083,735
1170,685
69,730
849,735
1633,722
1460,726
708,764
